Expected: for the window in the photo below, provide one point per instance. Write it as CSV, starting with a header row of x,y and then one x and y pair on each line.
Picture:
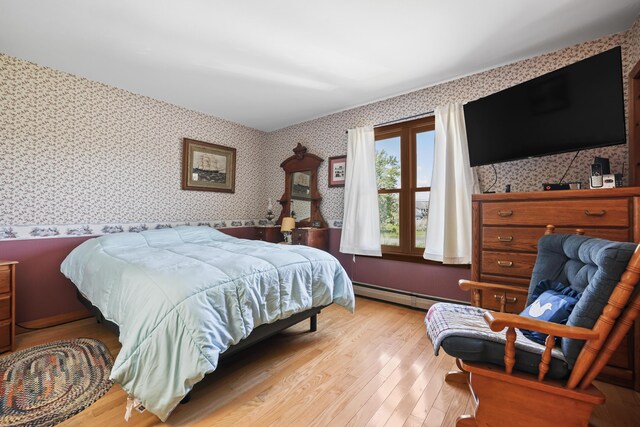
x,y
404,162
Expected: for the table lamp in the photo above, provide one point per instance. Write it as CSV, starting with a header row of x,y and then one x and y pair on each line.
x,y
288,224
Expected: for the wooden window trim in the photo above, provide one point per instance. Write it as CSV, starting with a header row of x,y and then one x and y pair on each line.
x,y
407,132
418,259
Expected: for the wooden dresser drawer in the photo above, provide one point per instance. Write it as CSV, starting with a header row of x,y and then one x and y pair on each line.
x,y
5,308
581,213
299,236
268,234
512,239
511,302
5,279
525,239
5,335
508,264
507,280
623,356
313,237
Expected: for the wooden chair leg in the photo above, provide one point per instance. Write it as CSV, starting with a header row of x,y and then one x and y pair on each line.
x,y
459,377
466,421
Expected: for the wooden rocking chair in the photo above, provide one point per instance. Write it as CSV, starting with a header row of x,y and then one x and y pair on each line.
x,y
505,396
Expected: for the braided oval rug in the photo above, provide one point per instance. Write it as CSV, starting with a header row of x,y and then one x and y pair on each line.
x,y
46,384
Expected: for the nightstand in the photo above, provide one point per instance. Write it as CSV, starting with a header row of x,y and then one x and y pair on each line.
x,y
314,237
7,305
268,233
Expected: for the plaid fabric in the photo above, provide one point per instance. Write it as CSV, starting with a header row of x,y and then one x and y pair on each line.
x,y
445,320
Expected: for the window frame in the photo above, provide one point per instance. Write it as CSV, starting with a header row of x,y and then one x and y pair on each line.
x,y
407,131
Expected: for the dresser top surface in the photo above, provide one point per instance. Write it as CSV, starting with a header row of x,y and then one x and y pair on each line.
x,y
559,194
4,262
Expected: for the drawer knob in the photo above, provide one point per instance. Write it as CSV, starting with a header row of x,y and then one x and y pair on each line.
x,y
505,213
601,212
504,300
505,263
505,238
499,297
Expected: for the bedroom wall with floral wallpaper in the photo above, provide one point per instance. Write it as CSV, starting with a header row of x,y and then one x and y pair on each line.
x,y
326,136
633,46
80,157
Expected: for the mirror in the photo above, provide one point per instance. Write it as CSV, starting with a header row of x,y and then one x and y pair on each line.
x,y
301,198
300,207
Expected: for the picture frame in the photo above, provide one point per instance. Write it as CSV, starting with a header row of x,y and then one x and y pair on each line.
x,y
337,171
208,167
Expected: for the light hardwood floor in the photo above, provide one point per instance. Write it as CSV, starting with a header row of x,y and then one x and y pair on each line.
x,y
373,368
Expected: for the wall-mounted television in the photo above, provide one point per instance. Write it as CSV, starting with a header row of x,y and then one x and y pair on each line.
x,y
574,108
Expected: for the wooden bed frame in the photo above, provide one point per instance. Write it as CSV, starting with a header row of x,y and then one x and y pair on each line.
x,y
260,333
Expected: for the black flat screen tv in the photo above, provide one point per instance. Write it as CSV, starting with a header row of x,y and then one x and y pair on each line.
x,y
574,108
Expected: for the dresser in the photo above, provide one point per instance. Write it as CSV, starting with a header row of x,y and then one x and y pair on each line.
x,y
506,229
7,305
268,233
314,237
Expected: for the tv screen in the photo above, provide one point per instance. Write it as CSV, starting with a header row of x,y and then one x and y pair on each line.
x,y
576,107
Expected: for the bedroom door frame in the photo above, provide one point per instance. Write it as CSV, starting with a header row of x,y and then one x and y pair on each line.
x,y
634,126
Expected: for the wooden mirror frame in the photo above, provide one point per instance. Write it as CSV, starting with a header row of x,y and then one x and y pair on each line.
x,y
302,161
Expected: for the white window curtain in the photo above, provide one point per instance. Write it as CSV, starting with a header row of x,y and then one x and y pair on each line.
x,y
361,220
452,184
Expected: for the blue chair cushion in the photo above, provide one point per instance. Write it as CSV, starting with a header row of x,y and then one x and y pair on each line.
x,y
462,332
588,265
477,350
553,302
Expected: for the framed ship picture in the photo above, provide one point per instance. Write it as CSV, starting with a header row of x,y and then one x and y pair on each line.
x,y
208,167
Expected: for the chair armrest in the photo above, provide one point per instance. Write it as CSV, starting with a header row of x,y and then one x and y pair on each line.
x,y
499,321
468,285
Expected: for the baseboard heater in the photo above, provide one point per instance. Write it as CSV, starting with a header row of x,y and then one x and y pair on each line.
x,y
395,296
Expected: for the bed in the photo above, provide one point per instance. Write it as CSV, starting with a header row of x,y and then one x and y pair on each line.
x,y
183,296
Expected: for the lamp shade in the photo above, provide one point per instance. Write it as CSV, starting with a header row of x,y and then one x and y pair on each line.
x,y
288,224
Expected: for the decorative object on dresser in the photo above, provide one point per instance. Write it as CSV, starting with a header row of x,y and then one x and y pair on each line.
x,y
314,237
49,383
270,214
268,233
7,305
337,171
288,224
301,187
208,167
519,380
506,229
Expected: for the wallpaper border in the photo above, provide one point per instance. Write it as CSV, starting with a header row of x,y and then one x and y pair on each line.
x,y
48,231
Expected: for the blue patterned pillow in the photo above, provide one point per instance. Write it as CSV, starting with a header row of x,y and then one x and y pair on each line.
x,y
553,302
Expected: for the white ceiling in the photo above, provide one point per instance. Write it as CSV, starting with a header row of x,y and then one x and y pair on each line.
x,y
268,64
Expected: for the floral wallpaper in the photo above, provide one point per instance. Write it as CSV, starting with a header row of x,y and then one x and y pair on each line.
x,y
78,157
326,136
633,46
74,151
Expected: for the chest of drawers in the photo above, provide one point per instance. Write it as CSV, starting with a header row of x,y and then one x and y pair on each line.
x,y
7,305
506,229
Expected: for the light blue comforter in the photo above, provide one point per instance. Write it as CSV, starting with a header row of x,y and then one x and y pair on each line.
x,y
182,296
